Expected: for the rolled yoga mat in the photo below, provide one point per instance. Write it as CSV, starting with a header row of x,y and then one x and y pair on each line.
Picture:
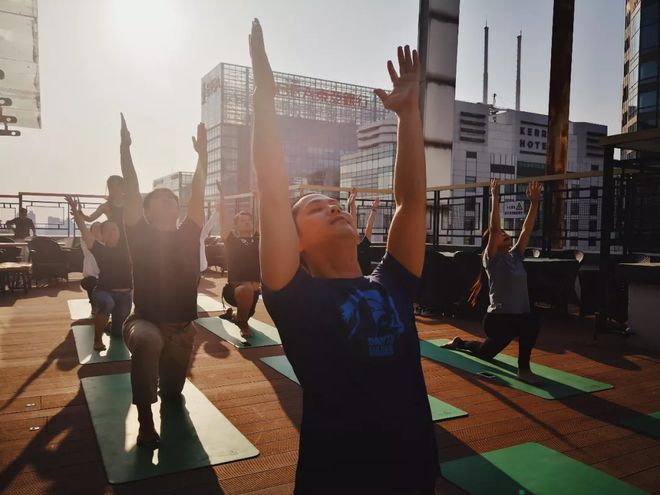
x,y
503,370
116,350
439,410
193,432
530,468
262,333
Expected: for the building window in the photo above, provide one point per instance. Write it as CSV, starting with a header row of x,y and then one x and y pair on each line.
x,y
575,225
592,241
575,208
648,99
469,223
470,204
470,154
594,168
593,210
593,192
593,225
649,38
648,70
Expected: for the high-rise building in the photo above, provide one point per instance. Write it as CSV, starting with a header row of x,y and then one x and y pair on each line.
x,y
507,144
641,105
318,122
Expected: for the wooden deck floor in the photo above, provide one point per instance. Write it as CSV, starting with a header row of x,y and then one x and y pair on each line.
x,y
40,387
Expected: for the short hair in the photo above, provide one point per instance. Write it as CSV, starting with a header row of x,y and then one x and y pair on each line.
x,y
295,208
22,210
242,212
160,190
114,179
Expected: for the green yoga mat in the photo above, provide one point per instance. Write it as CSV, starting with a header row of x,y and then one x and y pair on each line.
x,y
503,370
193,432
80,309
530,468
262,333
648,424
439,410
207,304
84,338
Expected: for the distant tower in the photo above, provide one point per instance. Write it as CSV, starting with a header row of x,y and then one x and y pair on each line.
x,y
518,73
485,93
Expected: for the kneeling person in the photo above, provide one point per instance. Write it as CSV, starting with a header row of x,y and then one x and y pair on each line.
x,y
112,294
243,274
160,334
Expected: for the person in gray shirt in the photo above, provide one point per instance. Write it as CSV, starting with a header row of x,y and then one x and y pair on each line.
x,y
509,315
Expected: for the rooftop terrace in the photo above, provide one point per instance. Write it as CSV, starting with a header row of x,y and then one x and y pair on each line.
x,y
47,444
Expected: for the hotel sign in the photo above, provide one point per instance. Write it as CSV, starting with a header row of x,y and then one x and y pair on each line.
x,y
533,139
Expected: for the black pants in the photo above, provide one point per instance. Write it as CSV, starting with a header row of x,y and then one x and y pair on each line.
x,y
501,329
88,283
229,296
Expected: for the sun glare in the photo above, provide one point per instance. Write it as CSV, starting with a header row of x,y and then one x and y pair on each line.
x,y
147,27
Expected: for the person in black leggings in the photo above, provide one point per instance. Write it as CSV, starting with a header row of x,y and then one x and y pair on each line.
x,y
509,314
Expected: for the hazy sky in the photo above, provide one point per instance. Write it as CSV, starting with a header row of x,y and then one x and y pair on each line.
x,y
146,58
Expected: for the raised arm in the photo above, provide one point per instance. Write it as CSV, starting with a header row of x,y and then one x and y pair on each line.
x,y
372,219
534,195
133,200
196,204
225,222
74,206
279,240
351,207
101,210
494,226
407,237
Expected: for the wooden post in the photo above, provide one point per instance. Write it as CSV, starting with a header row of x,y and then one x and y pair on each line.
x,y
559,100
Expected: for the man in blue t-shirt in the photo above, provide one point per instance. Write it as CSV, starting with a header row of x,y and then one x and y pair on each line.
x,y
366,425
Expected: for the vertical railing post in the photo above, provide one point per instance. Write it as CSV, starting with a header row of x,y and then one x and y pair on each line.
x,y
546,241
435,220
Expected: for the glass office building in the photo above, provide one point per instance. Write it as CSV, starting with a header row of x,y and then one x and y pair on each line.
x,y
318,121
640,105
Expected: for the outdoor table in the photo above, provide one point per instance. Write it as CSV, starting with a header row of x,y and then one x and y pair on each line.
x,y
12,273
643,301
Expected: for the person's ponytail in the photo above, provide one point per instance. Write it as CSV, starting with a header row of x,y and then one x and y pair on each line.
x,y
475,290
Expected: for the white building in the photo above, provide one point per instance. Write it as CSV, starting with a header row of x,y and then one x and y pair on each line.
x,y
487,143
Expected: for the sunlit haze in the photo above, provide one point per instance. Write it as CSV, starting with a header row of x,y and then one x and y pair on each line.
x,y
146,58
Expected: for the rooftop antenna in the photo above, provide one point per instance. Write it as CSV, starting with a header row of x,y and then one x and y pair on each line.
x,y
485,92
518,72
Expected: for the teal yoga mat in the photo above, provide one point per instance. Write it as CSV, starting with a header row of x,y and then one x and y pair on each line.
x,y
262,333
648,424
116,350
531,468
439,410
193,432
503,368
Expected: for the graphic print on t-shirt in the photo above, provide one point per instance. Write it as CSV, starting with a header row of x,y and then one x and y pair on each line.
x,y
371,315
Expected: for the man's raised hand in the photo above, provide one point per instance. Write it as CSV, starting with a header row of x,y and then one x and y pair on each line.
x,y
405,85
125,135
199,143
263,75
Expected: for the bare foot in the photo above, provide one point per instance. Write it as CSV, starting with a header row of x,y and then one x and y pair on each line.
x,y
148,438
455,343
528,377
99,345
246,331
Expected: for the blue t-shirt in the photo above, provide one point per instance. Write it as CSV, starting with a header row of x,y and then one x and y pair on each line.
x,y
507,282
353,344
